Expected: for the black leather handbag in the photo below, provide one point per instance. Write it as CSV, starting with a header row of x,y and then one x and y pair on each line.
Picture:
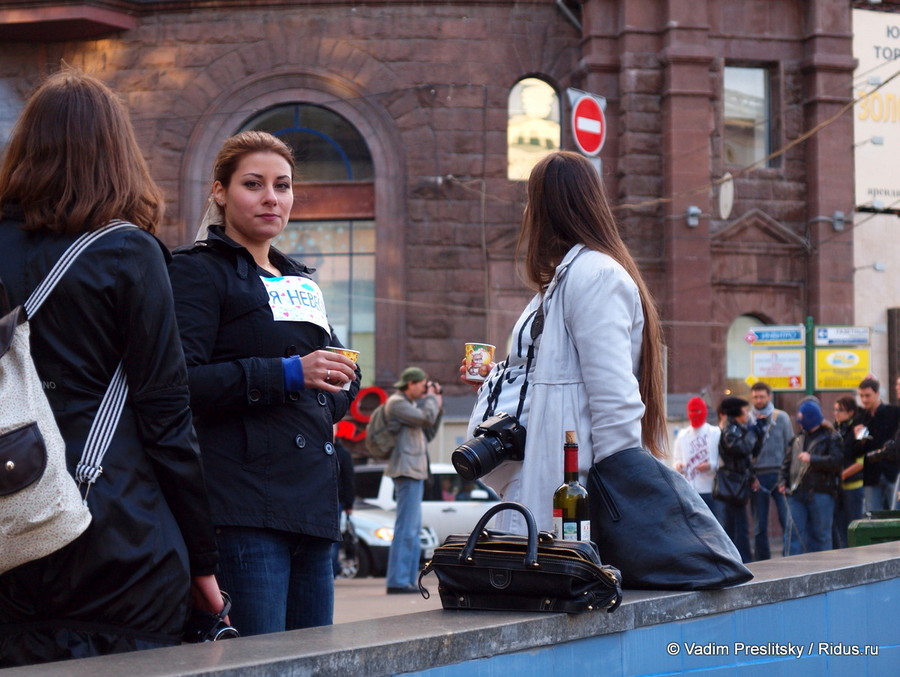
x,y
731,486
505,572
650,523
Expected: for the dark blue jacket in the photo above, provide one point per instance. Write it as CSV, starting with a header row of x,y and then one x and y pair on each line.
x,y
268,454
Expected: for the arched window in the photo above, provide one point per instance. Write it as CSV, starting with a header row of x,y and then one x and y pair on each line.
x,y
332,226
738,355
533,129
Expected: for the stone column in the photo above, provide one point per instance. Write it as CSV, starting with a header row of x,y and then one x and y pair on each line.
x,y
828,74
686,157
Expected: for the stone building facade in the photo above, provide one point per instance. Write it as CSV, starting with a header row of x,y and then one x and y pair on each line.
x,y
426,84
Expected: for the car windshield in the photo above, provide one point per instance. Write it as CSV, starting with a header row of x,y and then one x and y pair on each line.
x,y
452,487
367,484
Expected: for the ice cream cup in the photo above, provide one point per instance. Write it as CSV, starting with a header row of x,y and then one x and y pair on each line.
x,y
352,355
477,355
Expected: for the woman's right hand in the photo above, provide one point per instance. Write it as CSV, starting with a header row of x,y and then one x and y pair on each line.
x,y
327,371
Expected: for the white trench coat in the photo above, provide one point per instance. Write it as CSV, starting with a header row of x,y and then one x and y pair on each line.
x,y
584,378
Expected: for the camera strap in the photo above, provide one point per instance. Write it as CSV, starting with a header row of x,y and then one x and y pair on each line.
x,y
537,327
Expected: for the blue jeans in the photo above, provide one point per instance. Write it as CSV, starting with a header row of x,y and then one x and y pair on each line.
x,y
734,521
849,508
403,558
810,516
880,496
759,504
277,580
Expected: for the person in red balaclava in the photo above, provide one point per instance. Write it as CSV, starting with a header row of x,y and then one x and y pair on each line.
x,y
696,454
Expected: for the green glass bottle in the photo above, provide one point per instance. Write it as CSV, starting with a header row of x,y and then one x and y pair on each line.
x,y
571,515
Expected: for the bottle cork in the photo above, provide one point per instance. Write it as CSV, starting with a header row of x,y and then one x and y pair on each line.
x,y
571,437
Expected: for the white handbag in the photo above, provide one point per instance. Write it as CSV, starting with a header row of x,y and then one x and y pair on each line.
x,y
41,506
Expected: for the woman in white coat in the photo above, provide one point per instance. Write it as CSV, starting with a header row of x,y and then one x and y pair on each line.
x,y
598,365
597,369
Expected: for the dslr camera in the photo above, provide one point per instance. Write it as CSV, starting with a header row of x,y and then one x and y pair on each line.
x,y
203,626
500,438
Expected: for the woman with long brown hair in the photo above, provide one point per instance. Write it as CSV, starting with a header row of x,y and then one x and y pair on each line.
x,y
587,356
72,165
597,366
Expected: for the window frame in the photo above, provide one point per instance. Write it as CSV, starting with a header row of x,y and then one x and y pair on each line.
x,y
772,98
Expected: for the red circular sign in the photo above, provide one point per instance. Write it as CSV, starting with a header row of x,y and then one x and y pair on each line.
x,y
588,125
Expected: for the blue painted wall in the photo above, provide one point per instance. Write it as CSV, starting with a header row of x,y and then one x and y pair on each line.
x,y
844,620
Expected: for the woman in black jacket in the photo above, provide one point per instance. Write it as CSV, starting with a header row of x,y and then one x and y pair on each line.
x,y
265,394
72,165
849,501
737,447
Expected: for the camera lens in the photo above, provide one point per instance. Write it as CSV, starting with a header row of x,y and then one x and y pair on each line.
x,y
224,632
478,456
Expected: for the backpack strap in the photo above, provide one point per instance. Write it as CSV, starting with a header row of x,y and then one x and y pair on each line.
x,y
105,422
42,291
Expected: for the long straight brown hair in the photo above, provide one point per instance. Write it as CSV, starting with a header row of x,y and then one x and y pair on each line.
x,y
567,205
73,163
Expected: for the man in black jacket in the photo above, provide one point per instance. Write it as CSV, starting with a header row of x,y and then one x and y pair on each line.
x,y
882,421
810,476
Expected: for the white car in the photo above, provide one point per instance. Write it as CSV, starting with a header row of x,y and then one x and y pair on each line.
x,y
373,529
451,505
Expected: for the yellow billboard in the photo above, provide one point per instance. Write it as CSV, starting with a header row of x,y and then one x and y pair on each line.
x,y
841,368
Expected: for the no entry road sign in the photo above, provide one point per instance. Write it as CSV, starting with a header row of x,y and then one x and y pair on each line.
x,y
588,125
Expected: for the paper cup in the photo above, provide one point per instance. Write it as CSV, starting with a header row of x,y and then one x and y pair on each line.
x,y
477,354
352,355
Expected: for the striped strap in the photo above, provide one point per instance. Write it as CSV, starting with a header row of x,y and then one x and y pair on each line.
x,y
102,429
42,291
104,425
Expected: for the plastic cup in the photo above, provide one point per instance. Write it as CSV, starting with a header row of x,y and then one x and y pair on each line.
x,y
477,355
352,355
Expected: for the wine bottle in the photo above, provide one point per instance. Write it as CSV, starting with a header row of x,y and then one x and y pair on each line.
x,y
571,515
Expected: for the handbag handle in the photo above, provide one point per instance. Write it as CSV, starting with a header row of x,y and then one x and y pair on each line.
x,y
531,559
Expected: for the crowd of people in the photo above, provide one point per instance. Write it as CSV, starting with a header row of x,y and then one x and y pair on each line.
x,y
820,475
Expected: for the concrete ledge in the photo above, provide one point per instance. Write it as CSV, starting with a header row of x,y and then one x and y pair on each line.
x,y
427,640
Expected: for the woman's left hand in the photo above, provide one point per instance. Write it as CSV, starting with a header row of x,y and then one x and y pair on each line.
x,y
483,370
327,371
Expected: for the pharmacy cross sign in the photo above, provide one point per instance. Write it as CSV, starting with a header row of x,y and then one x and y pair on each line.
x,y
588,125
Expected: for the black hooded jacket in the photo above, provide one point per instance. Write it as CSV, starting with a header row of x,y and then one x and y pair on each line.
x,y
126,580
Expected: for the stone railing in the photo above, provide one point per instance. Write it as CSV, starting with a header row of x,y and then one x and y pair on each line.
x,y
827,613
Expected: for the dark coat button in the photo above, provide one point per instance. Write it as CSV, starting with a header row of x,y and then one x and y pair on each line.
x,y
300,441
329,448
255,395
322,399
293,397
291,350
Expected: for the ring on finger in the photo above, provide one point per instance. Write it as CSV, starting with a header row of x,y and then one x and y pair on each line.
x,y
327,375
